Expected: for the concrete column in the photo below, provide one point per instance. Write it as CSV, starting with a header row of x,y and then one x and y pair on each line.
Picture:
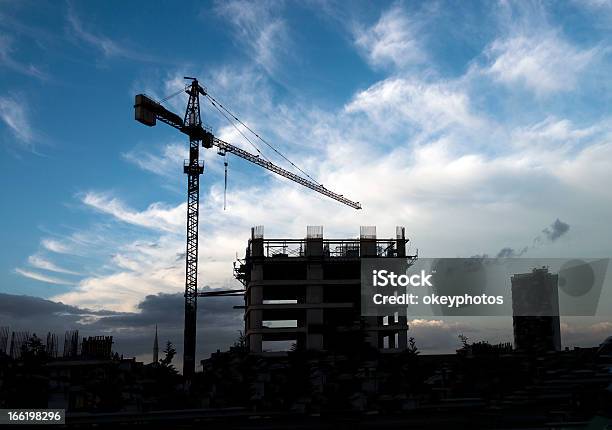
x,y
314,247
367,241
255,297
257,247
257,272
402,323
314,294
391,340
367,247
371,335
255,319
314,322
314,317
255,343
400,241
402,340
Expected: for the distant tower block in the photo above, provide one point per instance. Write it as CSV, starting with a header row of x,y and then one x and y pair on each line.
x,y
306,293
155,348
535,311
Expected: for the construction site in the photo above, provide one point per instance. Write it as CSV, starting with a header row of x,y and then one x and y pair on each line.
x,y
307,355
348,215
148,111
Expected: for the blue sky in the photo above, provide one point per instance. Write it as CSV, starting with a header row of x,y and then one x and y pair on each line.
x,y
475,125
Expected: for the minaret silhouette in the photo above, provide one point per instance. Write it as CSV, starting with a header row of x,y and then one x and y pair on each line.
x,y
155,347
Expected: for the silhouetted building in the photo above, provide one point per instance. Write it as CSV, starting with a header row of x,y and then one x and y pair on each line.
x,y
98,347
535,310
306,293
95,384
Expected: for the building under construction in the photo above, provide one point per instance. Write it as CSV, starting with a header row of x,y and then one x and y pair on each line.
x,y
306,293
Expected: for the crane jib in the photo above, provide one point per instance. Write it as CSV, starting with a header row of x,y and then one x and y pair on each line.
x,y
227,147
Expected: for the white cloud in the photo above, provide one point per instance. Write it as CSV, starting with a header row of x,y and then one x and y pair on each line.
x,y
8,60
553,131
157,216
589,171
544,62
442,336
585,333
43,278
14,115
397,102
140,268
167,164
104,44
258,27
596,5
603,328
394,39
42,263
55,246
419,322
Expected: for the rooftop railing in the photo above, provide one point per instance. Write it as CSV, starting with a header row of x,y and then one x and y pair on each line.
x,y
333,248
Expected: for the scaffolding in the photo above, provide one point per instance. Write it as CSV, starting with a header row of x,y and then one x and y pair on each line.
x,y
4,337
71,344
97,347
51,347
18,340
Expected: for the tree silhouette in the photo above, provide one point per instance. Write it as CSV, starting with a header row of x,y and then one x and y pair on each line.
x,y
240,344
464,341
169,353
33,350
412,347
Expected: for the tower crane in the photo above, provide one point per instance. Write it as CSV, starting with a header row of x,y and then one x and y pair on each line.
x,y
148,112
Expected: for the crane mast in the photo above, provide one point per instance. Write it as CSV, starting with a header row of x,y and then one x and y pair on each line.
x,y
148,112
193,169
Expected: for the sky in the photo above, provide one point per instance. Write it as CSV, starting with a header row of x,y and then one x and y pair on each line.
x,y
478,126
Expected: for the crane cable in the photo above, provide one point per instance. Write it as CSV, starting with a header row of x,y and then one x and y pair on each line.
x,y
213,101
165,99
240,131
225,183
